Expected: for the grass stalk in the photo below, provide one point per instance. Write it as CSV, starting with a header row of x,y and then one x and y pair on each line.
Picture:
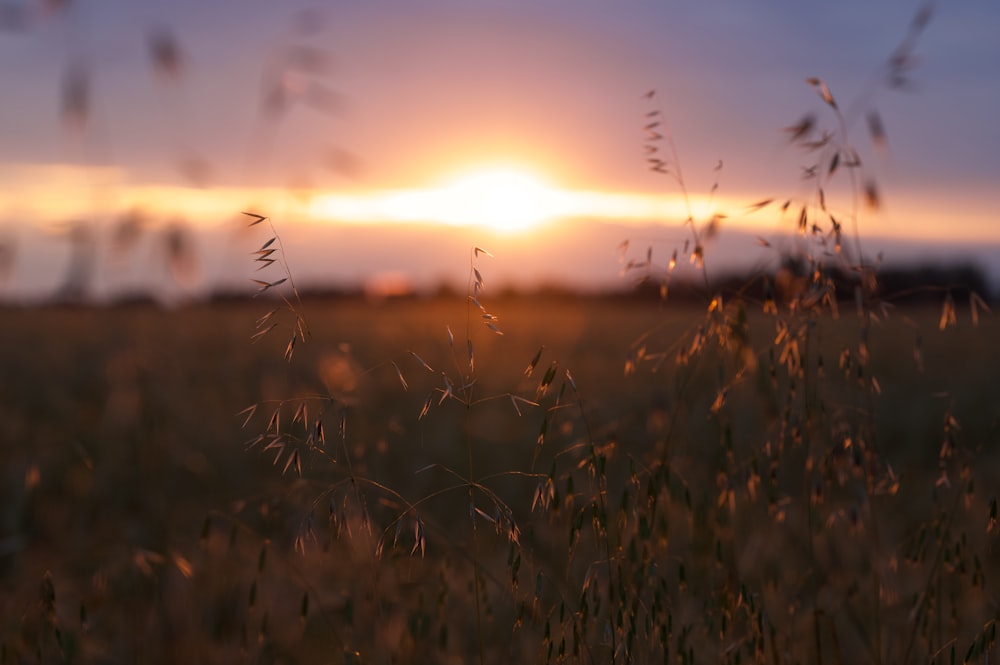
x,y
469,383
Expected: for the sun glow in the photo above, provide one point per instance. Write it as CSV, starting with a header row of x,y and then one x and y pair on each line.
x,y
503,200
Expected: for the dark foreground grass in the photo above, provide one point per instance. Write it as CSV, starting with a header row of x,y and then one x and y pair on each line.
x,y
648,521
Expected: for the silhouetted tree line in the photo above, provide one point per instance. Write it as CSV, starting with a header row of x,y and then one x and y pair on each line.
x,y
927,282
913,284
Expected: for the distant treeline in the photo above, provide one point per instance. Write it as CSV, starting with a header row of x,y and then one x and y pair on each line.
x,y
896,284
915,284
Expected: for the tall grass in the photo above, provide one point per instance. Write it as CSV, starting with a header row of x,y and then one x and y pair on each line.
x,y
495,480
122,441
750,510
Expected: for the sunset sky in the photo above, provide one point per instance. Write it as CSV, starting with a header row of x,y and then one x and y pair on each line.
x,y
386,138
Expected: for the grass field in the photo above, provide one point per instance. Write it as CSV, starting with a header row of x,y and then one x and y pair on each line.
x,y
652,521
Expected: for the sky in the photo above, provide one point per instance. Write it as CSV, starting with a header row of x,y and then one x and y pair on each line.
x,y
386,138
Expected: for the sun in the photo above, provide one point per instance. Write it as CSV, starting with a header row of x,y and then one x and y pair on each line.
x,y
503,199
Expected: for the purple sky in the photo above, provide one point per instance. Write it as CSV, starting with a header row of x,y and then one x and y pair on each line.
x,y
395,94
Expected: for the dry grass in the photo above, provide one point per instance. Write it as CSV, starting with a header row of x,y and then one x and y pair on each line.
x,y
121,439
764,478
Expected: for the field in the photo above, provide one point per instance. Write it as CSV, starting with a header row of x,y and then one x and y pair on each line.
x,y
744,502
